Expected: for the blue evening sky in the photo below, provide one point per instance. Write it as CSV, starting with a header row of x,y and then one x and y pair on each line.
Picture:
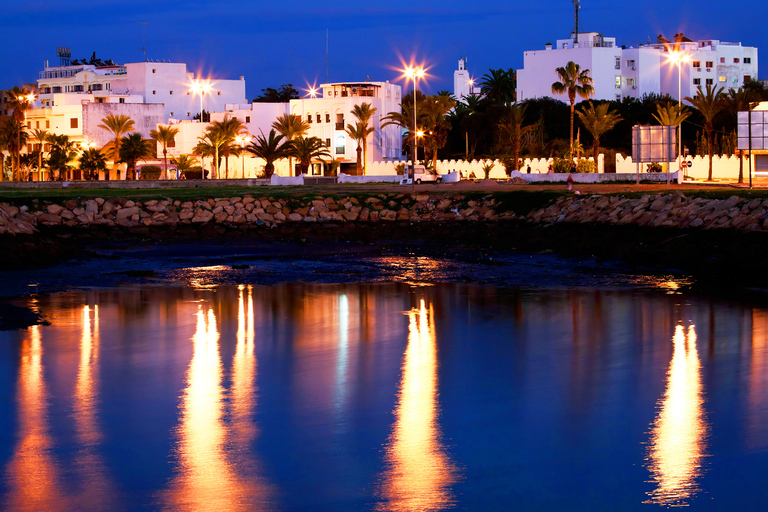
x,y
272,43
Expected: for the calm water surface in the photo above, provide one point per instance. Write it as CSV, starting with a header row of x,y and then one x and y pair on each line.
x,y
384,397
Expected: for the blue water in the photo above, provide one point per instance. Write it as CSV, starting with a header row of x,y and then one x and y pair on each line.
x,y
301,396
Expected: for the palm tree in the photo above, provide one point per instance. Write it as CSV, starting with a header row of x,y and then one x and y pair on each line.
x,y
270,148
741,100
20,100
230,128
118,126
62,153
210,144
364,112
359,132
165,135
92,162
598,120
15,137
499,85
183,162
434,110
574,81
306,149
512,127
709,104
291,126
132,149
41,136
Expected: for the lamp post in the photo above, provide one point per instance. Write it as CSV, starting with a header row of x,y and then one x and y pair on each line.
x,y
677,57
414,74
200,87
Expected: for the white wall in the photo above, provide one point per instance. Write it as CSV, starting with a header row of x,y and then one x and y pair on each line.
x,y
724,168
145,117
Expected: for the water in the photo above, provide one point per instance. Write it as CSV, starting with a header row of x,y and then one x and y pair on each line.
x,y
384,396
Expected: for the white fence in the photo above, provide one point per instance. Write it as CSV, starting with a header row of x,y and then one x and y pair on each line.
x,y
723,167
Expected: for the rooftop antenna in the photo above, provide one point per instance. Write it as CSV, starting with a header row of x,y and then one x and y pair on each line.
x,y
326,55
576,8
144,40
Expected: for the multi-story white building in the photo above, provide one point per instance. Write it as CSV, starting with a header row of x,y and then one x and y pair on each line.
x,y
463,83
168,83
620,72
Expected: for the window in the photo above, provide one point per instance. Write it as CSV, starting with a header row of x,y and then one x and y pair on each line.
x,y
630,82
565,46
154,92
710,64
247,119
722,60
747,78
319,120
696,64
37,124
618,63
340,143
187,93
121,100
187,114
56,89
154,70
73,122
171,114
29,125
710,81
339,121
697,81
631,64
47,123
327,117
736,60
309,118
618,98
171,93
722,79
747,60
78,88
172,142
618,82
96,87
109,86
327,143
218,93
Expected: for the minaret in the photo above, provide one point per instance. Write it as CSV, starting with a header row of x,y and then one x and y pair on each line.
x,y
461,85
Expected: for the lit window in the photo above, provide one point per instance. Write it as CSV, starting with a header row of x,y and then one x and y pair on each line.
x,y
219,93
340,144
722,79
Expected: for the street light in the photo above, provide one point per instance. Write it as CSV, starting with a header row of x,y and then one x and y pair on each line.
x,y
414,74
679,57
200,87
243,140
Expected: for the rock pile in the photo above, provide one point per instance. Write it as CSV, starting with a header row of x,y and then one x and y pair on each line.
x,y
261,211
668,210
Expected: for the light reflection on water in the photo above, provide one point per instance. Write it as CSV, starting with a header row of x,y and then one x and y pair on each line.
x,y
302,396
679,434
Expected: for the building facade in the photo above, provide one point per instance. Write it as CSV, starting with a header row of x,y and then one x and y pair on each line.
x,y
620,72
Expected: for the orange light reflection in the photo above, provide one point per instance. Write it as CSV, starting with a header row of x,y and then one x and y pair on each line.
x,y
678,436
419,473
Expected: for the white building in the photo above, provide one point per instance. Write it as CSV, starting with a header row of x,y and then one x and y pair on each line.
x,y
463,83
168,83
620,72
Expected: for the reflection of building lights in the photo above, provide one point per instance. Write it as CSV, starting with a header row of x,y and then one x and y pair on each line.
x,y
678,436
420,473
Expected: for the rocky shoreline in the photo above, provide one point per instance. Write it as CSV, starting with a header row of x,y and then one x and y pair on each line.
x,y
719,240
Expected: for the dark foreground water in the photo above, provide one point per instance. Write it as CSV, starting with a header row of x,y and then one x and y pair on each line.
x,y
384,397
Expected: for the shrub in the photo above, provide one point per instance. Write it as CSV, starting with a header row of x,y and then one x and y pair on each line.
x,y
150,172
584,166
400,169
193,173
561,165
654,167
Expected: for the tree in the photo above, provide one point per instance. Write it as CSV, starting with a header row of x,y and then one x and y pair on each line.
x,y
364,112
291,126
15,138
41,136
598,120
499,86
132,149
708,103
92,162
741,100
667,114
19,100
358,132
434,110
573,81
306,149
271,148
282,94
62,153
512,128
118,126
165,136
183,162
210,144
228,128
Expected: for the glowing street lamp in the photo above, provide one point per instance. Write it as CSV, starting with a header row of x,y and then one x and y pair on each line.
x,y
414,74
312,92
679,57
200,87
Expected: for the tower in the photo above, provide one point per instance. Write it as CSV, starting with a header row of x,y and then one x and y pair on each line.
x,y
461,81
